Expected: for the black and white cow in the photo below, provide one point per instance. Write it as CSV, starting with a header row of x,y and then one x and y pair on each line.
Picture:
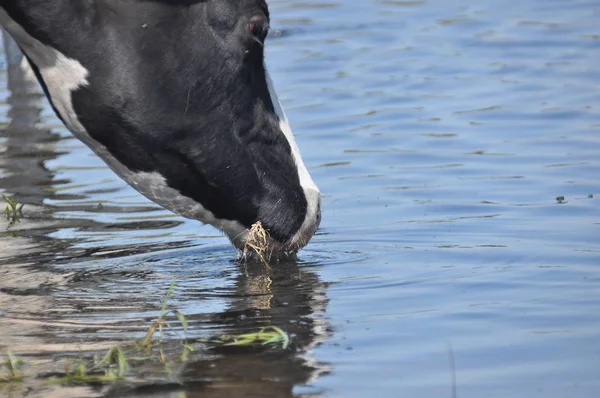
x,y
174,96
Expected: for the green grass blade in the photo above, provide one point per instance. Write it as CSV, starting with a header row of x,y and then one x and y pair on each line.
x,y
182,319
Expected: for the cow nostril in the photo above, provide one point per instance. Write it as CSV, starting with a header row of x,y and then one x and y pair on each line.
x,y
258,26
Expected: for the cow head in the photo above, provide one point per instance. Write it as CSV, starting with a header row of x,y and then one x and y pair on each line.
x,y
175,98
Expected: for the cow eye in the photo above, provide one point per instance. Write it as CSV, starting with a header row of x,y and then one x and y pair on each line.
x,y
258,26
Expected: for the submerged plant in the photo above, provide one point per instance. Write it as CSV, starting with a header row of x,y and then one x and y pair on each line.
x,y
120,362
112,367
266,336
11,369
161,322
115,363
13,210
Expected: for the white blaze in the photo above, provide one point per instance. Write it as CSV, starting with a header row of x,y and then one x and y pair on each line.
x,y
311,192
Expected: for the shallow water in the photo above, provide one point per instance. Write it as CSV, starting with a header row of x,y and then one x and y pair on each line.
x,y
441,134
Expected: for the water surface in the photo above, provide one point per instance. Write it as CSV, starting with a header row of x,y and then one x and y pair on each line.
x,y
441,134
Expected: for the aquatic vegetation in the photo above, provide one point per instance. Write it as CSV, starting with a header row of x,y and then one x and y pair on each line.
x,y
13,210
11,369
121,362
160,323
267,336
112,367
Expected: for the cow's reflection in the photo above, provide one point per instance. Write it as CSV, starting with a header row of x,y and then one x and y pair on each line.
x,y
27,147
288,296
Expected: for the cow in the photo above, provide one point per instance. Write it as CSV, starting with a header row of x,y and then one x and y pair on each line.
x,y
174,96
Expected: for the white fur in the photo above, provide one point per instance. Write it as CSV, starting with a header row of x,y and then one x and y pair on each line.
x,y
305,178
311,192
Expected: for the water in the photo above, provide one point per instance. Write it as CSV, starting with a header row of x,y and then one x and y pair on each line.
x,y
441,134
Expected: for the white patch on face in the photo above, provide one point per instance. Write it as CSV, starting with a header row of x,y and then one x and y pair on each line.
x,y
62,75
311,192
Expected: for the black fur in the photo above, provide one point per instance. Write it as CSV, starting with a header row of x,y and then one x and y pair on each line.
x,y
178,88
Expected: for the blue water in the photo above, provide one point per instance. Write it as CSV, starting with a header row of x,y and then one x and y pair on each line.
x,y
441,134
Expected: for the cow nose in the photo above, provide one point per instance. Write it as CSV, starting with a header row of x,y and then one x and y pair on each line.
x,y
272,245
311,222
258,25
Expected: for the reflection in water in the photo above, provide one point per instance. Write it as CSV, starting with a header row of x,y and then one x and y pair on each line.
x,y
25,148
289,296
26,94
87,309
